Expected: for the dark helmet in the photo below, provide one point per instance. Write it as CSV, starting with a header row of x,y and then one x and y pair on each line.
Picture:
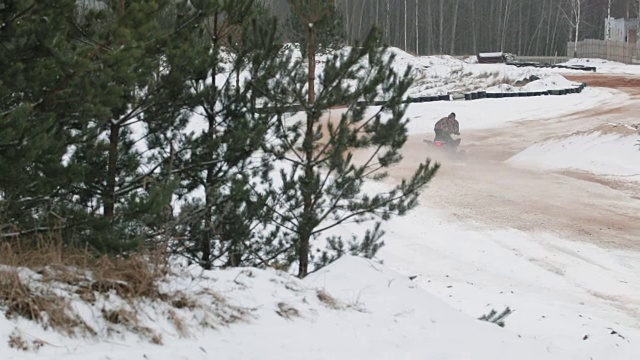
x,y
452,115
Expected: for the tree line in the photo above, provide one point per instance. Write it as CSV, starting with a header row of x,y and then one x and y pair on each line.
x,y
466,27
114,112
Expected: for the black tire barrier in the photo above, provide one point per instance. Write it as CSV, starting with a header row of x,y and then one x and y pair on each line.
x,y
467,97
498,95
552,66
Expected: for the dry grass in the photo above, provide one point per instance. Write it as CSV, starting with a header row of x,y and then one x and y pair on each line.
x,y
179,323
80,272
130,321
486,75
130,278
39,305
18,342
287,311
218,311
135,276
328,300
182,301
499,81
36,279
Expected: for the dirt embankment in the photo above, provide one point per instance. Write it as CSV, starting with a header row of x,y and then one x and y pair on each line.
x,y
631,83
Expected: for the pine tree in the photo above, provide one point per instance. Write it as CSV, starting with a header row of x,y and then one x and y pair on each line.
x,y
328,25
230,61
126,92
36,61
324,165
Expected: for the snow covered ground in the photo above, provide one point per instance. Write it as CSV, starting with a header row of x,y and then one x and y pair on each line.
x,y
495,113
578,297
442,74
571,300
610,150
355,308
603,66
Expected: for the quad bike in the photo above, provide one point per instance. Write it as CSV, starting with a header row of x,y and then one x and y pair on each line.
x,y
448,148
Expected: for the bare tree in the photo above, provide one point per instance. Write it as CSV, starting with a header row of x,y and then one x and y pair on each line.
x,y
527,27
441,38
418,31
405,24
454,27
574,18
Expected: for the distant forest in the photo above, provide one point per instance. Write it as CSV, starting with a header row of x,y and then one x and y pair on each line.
x,y
464,27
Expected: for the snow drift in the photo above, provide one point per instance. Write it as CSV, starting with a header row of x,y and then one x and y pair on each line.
x,y
602,66
609,149
354,308
442,74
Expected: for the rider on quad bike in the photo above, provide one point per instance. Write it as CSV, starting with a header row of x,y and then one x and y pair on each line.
x,y
444,128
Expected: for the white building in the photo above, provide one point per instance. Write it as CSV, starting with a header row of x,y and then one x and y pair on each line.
x,y
622,29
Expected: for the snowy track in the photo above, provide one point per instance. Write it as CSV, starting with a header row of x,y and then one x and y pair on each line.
x,y
558,245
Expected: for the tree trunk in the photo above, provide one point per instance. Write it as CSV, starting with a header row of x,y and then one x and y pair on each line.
x,y
417,31
441,39
578,12
474,36
505,21
430,37
110,191
387,24
311,58
520,25
555,33
405,26
109,197
205,241
307,185
453,27
547,44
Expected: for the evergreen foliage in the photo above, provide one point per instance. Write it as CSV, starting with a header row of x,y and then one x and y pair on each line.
x,y
326,161
326,19
113,111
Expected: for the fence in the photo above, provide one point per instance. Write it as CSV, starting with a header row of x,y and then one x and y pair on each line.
x,y
624,52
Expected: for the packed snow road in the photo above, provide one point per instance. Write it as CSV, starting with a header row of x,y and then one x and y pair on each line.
x,y
556,241
574,204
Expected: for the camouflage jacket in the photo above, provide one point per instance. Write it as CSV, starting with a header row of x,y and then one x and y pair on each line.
x,y
448,124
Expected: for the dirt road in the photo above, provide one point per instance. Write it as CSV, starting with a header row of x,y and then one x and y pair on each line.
x,y
573,205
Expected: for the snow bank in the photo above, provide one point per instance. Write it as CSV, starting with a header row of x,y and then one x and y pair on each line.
x,y
602,66
441,74
576,296
354,308
552,82
395,307
435,75
495,113
607,150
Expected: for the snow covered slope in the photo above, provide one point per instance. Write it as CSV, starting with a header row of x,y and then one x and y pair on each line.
x,y
602,66
352,309
610,149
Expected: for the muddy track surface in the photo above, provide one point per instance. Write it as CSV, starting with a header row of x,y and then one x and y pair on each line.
x,y
570,204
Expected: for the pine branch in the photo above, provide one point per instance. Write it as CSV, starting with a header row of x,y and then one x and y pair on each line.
x,y
18,16
367,210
